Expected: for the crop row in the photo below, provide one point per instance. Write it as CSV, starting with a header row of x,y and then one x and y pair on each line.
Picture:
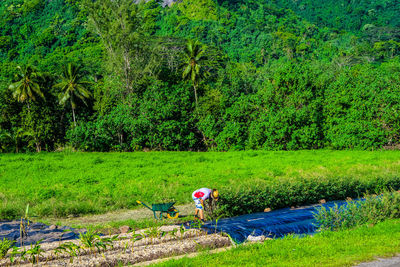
x,y
298,192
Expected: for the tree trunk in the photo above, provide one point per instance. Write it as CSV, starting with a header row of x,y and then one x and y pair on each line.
x,y
38,147
195,94
121,139
73,112
73,115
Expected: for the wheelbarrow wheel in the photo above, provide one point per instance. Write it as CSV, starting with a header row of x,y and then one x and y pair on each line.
x,y
173,213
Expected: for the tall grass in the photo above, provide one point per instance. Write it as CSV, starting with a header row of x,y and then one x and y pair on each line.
x,y
62,184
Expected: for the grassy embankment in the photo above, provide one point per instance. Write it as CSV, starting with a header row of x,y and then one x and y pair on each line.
x,y
62,184
342,248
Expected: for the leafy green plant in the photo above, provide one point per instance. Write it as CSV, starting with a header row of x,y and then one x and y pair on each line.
x,y
371,210
105,242
35,252
296,192
69,247
5,246
153,232
90,239
15,252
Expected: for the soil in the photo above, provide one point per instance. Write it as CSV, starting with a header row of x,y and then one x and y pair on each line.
x,y
116,216
132,248
135,247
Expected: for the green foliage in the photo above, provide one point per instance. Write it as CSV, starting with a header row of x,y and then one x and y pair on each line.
x,y
34,252
119,24
5,246
357,116
298,192
198,10
160,120
278,75
371,210
72,86
345,14
55,185
341,248
27,86
70,248
194,53
89,240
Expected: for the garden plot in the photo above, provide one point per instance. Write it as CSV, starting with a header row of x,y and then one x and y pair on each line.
x,y
93,250
35,232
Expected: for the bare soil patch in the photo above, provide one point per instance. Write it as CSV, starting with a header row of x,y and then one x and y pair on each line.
x,y
121,215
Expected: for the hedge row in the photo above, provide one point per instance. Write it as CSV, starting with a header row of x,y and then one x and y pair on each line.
x,y
298,192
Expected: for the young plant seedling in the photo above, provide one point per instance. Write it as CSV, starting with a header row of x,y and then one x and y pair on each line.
x,y
71,248
35,252
16,251
24,226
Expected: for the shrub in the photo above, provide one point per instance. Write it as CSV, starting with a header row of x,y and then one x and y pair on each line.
x,y
8,212
370,210
298,192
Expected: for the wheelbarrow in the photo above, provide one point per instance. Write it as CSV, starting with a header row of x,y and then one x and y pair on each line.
x,y
168,208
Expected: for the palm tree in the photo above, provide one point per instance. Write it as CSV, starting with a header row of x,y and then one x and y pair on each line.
x,y
194,55
27,85
14,136
72,85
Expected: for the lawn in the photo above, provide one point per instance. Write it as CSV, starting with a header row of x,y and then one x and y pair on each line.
x,y
342,248
62,184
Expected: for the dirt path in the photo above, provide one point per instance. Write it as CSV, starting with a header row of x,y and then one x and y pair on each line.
x,y
382,262
116,216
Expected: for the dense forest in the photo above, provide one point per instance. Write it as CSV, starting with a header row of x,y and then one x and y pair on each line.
x,y
116,75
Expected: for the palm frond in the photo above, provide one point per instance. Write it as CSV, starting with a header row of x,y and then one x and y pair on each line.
x,y
186,71
63,97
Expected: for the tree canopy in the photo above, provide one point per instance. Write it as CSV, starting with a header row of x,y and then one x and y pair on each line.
x,y
279,75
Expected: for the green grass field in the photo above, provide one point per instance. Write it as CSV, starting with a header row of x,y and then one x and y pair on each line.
x,y
343,248
61,184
